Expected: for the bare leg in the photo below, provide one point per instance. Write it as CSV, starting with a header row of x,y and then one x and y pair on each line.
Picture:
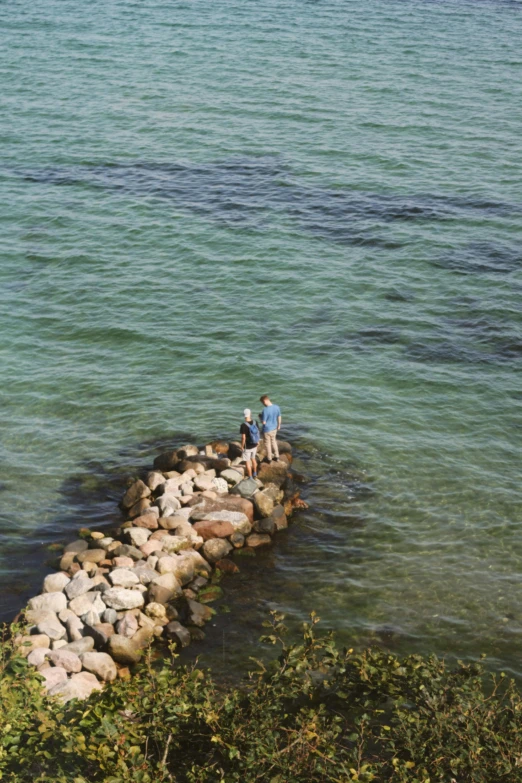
x,y
249,468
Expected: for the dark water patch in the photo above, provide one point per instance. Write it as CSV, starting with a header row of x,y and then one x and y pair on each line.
x,y
482,257
245,191
399,296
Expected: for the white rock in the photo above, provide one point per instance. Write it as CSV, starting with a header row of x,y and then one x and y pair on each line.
x,y
120,598
58,644
81,583
74,628
54,583
168,505
137,535
204,482
123,577
220,485
176,543
52,602
38,656
84,603
79,686
52,627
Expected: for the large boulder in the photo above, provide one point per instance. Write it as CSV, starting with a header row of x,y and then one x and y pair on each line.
x,y
79,686
65,658
55,583
83,645
154,480
245,488
76,546
173,544
51,602
266,525
147,521
263,503
80,583
216,548
279,517
232,476
91,556
87,603
137,491
273,473
166,461
202,508
52,627
120,598
53,676
168,504
38,656
122,649
26,644
139,508
123,577
100,664
213,529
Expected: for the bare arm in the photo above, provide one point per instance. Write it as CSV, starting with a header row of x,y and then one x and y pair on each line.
x,y
279,422
243,440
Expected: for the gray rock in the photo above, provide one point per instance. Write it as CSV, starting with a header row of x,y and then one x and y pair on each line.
x,y
79,646
123,577
123,650
55,583
177,543
105,542
231,476
266,525
81,583
145,574
35,616
199,613
168,504
245,489
216,548
120,598
90,618
65,658
164,588
220,485
100,664
38,656
53,676
279,517
51,602
87,602
101,633
178,633
79,686
110,616
126,550
76,546
52,627
203,482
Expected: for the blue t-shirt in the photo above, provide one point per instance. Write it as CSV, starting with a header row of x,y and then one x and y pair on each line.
x,y
269,417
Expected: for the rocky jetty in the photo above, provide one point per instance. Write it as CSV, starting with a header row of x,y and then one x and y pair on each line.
x,y
151,577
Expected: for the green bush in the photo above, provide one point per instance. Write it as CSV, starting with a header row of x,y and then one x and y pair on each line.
x,y
315,714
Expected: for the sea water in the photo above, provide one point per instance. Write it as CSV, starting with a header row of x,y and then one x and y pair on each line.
x,y
322,201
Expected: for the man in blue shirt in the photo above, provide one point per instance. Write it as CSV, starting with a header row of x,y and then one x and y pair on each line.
x,y
271,421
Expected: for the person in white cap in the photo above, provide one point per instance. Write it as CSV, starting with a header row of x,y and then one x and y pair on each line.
x,y
250,437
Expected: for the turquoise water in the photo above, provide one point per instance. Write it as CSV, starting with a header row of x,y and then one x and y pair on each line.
x,y
203,202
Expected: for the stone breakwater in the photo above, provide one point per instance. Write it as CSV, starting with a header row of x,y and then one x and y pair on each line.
x,y
151,577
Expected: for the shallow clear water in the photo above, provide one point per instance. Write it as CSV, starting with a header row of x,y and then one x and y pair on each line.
x,y
203,202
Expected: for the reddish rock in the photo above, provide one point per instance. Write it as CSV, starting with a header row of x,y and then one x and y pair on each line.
x,y
227,566
213,529
148,521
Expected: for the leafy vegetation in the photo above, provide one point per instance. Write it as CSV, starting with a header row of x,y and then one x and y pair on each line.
x,y
316,713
